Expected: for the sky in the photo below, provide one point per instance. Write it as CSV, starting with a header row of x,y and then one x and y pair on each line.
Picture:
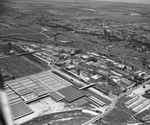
x,y
130,1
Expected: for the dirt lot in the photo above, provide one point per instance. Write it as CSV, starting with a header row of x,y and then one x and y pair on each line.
x,y
117,117
41,107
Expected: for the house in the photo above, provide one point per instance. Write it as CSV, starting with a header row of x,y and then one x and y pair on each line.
x,y
96,78
102,72
85,57
70,67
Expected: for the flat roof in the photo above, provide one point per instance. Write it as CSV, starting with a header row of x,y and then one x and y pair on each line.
x,y
23,90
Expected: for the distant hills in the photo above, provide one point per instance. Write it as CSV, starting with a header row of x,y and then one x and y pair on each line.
x,y
29,4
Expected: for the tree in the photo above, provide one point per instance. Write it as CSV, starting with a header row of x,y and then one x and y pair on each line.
x,y
144,62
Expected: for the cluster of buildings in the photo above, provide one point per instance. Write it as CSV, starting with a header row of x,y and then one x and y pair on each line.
x,y
98,77
94,68
135,34
138,102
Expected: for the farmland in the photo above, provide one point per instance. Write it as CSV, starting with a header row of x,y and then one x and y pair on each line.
x,y
18,67
31,58
22,34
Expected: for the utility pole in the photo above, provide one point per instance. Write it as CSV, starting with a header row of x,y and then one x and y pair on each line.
x,y
122,62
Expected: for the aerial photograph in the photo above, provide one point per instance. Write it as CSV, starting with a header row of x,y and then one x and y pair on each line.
x,y
74,62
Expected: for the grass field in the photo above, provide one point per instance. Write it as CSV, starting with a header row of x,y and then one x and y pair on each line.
x,y
18,67
2,46
121,105
118,117
144,116
31,57
75,117
15,31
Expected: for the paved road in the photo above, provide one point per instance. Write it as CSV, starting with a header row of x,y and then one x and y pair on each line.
x,y
103,114
112,105
5,25
37,32
114,100
99,116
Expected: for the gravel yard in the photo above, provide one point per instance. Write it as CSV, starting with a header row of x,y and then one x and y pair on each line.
x,y
42,107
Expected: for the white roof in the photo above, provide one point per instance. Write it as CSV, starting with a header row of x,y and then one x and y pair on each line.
x,y
95,76
85,56
134,124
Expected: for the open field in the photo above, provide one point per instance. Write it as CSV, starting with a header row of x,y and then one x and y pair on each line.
x,y
144,116
18,67
31,58
117,117
22,34
15,31
74,117
2,47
